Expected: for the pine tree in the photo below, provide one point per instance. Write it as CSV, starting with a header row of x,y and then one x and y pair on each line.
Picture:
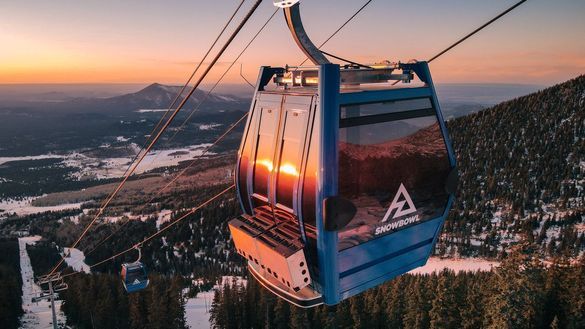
x,y
445,310
574,296
298,318
216,316
516,300
157,306
395,295
137,311
176,304
471,308
281,314
358,312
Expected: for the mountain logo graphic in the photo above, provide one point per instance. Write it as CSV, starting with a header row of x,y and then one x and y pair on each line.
x,y
401,199
136,281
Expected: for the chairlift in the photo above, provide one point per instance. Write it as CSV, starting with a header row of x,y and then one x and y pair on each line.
x,y
134,275
344,179
60,286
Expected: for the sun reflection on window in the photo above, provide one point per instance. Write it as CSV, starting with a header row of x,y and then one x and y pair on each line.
x,y
266,163
289,169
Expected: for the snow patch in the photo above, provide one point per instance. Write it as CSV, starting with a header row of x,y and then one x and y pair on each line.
x,y
163,217
122,139
23,207
436,265
209,126
151,110
4,160
76,259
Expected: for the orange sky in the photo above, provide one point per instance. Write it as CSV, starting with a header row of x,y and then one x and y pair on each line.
x,y
146,41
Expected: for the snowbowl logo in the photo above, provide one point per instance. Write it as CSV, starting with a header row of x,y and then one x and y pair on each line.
x,y
402,205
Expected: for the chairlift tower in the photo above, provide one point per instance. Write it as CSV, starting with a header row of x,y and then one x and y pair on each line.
x,y
55,284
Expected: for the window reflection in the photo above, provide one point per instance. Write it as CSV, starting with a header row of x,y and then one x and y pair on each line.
x,y
265,151
375,159
290,158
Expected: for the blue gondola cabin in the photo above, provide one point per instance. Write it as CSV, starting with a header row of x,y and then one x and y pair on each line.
x,y
134,277
343,184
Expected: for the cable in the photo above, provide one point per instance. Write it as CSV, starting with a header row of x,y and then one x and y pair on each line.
x,y
472,33
160,191
184,122
206,97
476,30
145,240
160,121
345,60
340,28
165,126
223,75
182,89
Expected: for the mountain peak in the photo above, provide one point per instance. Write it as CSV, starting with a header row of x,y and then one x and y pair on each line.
x,y
155,87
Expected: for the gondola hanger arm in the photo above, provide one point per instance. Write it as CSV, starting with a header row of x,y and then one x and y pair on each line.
x,y
292,14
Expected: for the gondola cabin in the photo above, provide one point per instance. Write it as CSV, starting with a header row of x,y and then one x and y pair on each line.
x,y
134,277
343,186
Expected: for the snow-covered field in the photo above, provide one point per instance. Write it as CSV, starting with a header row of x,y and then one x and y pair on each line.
x,y
76,259
436,264
98,168
24,207
36,315
3,160
116,167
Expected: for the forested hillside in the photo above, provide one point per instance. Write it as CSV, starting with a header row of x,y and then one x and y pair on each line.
x,y
522,293
100,301
522,168
10,284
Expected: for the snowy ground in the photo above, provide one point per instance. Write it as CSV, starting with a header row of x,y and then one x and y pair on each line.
x,y
24,207
36,315
76,259
98,168
163,216
457,265
197,309
3,160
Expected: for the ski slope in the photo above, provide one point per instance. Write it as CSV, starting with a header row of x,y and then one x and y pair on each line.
x,y
36,315
197,309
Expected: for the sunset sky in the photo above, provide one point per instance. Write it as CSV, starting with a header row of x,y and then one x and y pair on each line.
x,y
138,41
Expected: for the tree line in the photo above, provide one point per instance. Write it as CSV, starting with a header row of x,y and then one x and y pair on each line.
x,y
521,293
100,301
10,284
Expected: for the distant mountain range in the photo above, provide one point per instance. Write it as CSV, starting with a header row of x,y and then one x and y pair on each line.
x,y
154,96
40,127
